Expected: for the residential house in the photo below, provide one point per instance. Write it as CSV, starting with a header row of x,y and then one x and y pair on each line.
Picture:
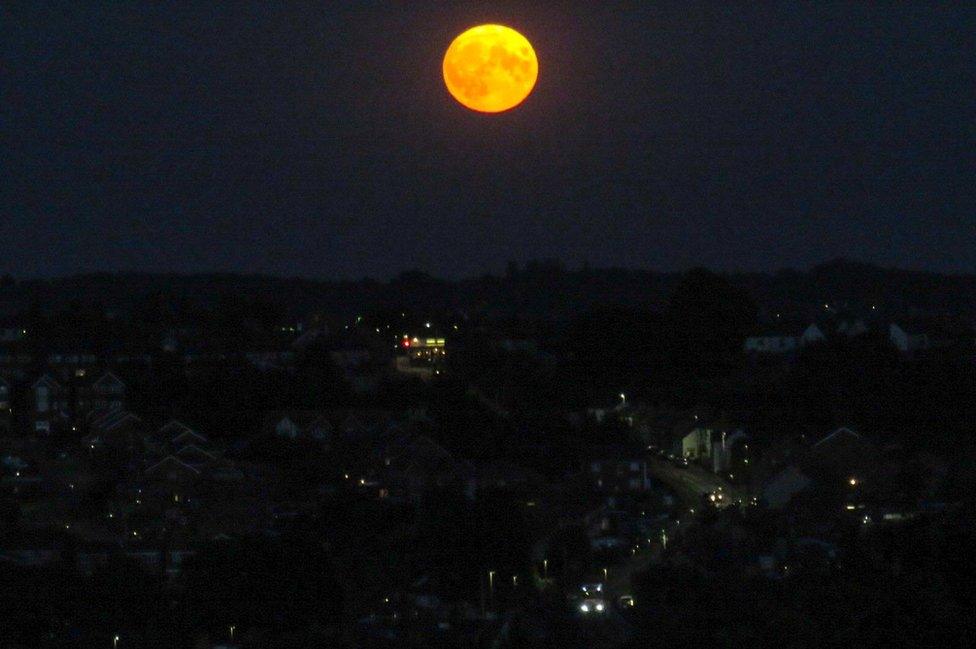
x,y
783,339
12,334
268,360
812,334
107,392
615,408
696,445
907,341
173,429
15,366
177,456
116,428
838,466
4,396
174,438
173,470
728,442
72,364
616,469
843,454
365,424
411,464
771,342
301,424
784,485
48,404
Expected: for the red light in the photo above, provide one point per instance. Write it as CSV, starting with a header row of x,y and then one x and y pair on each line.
x,y
406,343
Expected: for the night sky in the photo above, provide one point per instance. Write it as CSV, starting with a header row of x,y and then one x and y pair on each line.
x,y
317,138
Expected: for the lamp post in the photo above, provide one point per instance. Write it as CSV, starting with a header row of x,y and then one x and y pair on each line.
x,y
545,568
491,584
231,629
115,642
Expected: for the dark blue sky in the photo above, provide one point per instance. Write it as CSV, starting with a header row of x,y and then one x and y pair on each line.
x,y
317,138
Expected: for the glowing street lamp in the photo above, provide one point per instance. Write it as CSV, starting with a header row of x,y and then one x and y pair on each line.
x,y
115,642
545,568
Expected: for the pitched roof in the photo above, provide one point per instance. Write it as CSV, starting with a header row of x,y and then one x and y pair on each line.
x,y
170,459
303,419
108,379
843,430
191,450
47,380
115,418
184,437
173,428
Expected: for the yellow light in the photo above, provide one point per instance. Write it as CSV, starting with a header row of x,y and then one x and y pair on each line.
x,y
490,68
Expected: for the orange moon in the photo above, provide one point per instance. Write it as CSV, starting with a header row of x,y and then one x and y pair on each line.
x,y
490,68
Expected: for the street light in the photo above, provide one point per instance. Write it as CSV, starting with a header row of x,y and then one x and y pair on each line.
x,y
232,627
491,582
604,574
545,568
115,642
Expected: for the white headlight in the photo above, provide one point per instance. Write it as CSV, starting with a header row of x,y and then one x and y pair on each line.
x,y
599,607
585,608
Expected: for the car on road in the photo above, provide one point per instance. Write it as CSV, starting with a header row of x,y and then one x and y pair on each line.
x,y
592,589
592,606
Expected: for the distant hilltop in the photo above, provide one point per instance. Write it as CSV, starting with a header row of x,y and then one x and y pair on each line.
x,y
544,289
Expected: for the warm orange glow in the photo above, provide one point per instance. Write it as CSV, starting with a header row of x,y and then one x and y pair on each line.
x,y
490,68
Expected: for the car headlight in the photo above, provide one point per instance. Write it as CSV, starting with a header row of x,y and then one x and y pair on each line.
x,y
599,607
585,608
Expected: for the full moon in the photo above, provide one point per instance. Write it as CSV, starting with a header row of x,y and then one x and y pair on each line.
x,y
490,68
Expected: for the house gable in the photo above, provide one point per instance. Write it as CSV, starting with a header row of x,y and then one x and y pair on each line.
x,y
45,381
189,437
172,468
173,428
843,431
109,383
781,488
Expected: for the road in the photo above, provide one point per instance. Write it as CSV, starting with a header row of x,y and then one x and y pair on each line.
x,y
690,483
